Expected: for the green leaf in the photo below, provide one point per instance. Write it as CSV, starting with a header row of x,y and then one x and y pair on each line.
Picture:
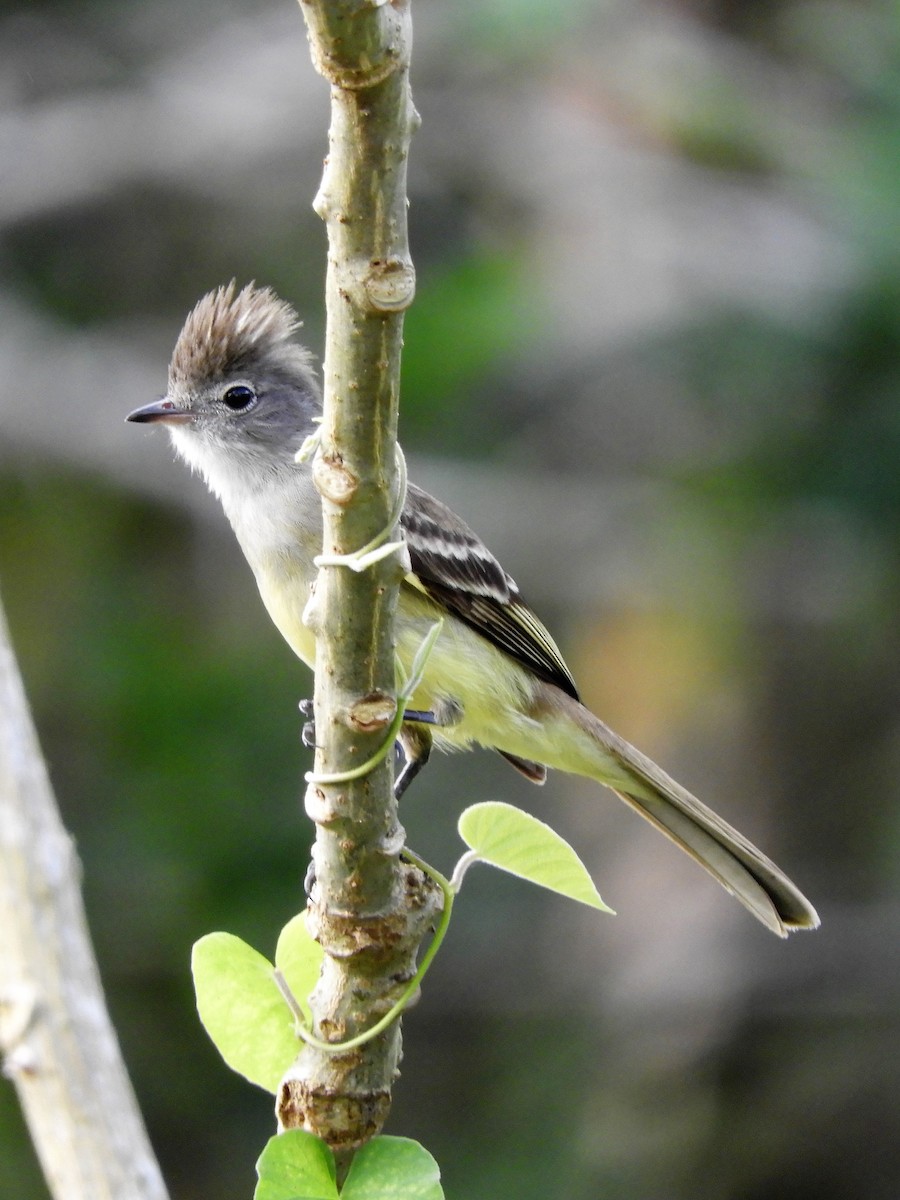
x,y
299,958
296,1165
392,1168
242,1009
517,842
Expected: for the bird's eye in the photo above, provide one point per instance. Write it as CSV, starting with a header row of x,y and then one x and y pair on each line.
x,y
239,398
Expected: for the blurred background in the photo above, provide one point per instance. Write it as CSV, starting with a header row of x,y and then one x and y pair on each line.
x,y
654,360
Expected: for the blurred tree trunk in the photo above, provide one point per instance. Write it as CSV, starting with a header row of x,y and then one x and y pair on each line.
x,y
59,1047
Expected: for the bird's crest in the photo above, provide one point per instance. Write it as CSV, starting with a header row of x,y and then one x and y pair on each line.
x,y
228,331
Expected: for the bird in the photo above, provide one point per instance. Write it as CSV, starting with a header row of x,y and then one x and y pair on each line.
x,y
242,399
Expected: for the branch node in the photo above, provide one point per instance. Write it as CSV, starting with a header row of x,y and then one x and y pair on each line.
x,y
346,1120
372,712
335,481
312,612
358,46
18,1008
390,286
21,1061
322,201
321,808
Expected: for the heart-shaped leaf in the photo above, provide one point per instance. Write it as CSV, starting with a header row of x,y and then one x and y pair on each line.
x,y
515,841
393,1168
296,1165
242,1009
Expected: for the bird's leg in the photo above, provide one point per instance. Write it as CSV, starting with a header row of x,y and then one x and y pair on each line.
x,y
308,731
415,737
415,740
422,717
308,738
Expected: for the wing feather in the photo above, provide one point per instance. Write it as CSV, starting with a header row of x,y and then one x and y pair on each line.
x,y
453,566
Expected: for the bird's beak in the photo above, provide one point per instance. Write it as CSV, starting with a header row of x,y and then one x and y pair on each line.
x,y
161,410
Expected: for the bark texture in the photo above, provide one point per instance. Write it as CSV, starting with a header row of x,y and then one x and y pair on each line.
x,y
369,910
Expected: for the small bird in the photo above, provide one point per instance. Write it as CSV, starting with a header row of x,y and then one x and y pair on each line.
x,y
242,399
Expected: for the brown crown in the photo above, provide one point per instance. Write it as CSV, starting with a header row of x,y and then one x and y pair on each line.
x,y
228,331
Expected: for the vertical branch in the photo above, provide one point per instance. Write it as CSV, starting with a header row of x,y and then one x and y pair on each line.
x,y
369,911
59,1047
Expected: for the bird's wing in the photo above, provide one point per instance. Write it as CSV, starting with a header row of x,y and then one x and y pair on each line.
x,y
452,565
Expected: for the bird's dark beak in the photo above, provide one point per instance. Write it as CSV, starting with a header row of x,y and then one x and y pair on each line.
x,y
161,410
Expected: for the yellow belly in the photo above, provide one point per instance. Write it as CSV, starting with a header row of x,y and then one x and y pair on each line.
x,y
285,595
464,672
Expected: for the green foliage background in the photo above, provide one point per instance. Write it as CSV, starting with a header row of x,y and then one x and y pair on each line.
x,y
741,624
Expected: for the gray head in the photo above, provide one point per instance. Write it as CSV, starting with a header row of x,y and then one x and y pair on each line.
x,y
242,395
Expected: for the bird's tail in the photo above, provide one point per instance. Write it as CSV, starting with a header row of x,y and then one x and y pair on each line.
x,y
726,854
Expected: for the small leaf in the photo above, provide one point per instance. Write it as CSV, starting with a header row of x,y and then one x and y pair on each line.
x,y
242,1009
517,842
393,1168
299,958
296,1165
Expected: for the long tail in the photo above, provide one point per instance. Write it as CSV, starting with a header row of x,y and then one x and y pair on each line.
x,y
726,854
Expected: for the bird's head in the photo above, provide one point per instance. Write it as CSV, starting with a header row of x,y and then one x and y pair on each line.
x,y
242,396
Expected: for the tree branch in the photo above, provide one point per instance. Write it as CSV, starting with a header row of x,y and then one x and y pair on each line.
x,y
369,911
59,1047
